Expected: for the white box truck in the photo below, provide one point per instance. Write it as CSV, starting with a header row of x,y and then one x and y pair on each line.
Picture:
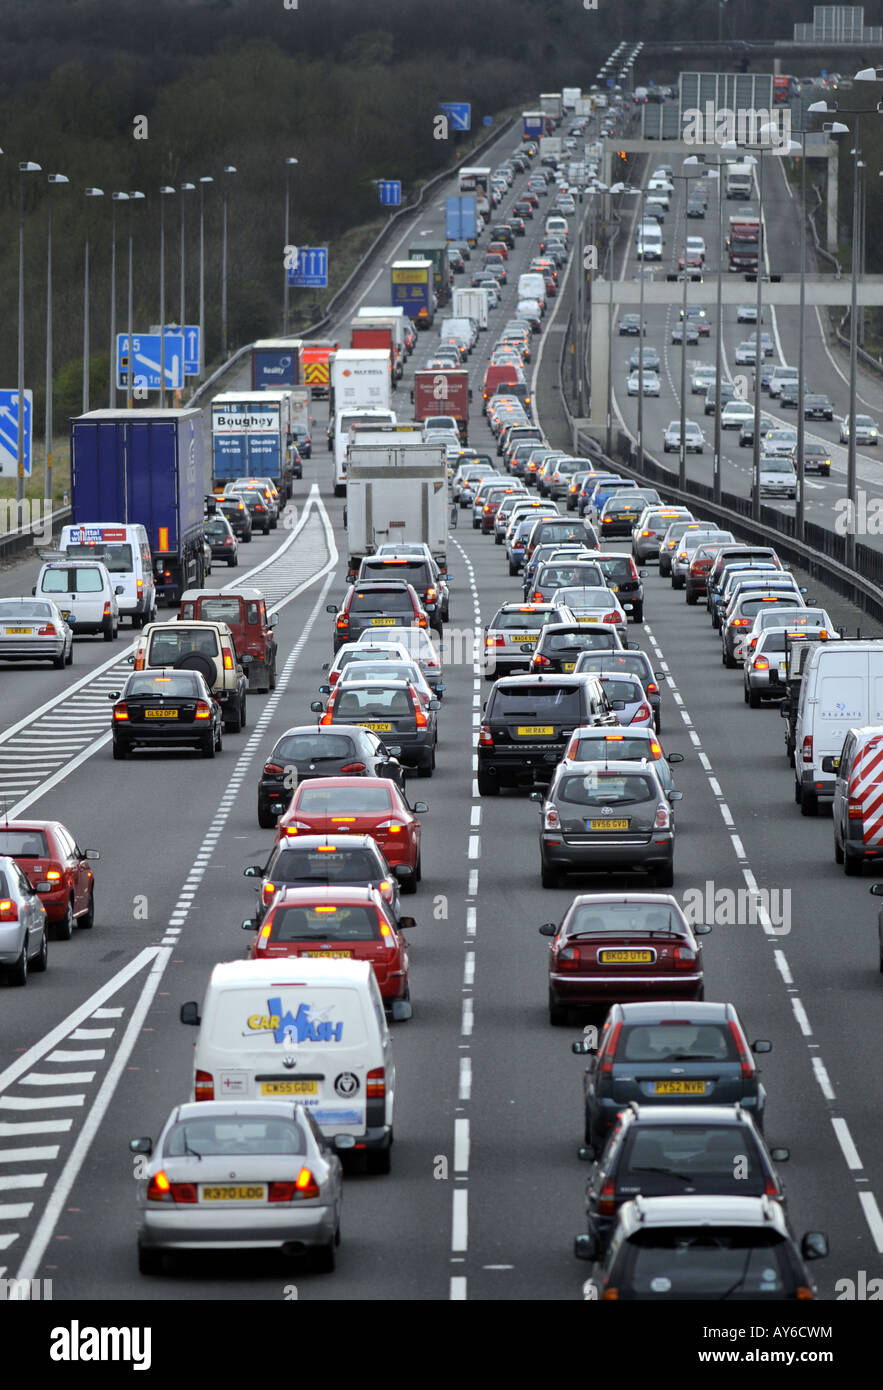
x,y
739,180
397,490
471,303
360,380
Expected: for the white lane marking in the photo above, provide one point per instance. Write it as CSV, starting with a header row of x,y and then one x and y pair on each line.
x,y
460,1220
86,1034
32,1155
470,921
474,851
475,818
783,967
11,1212
13,1182
823,1078
472,888
703,758
738,847
726,814
467,1020
465,1088
461,1146
802,1020
62,1078
873,1218
39,1102
15,1129
844,1139
469,970
715,786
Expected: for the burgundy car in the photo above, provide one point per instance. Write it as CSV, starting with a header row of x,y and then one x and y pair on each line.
x,y
56,868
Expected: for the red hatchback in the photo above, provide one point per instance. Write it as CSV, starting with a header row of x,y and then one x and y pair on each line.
x,y
56,869
338,923
623,948
363,806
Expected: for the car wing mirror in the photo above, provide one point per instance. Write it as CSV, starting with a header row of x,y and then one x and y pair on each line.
x,y
761,1045
675,757
548,929
420,807
113,694
814,1245
249,924
190,1013
143,1145
582,1048
253,871
317,707
701,929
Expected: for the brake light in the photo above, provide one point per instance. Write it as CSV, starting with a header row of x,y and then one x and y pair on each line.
x,y
431,595
741,622
760,663
228,661
607,1199
745,1059
342,622
540,660
806,752
53,875
203,710
538,596
422,620
568,958
326,717
642,712
119,711
296,826
610,1050
610,618
855,810
8,910
375,1087
393,826
419,716
268,892
652,688
273,769
485,737
204,1086
264,936
551,820
684,958
351,768
663,817
107,610
47,631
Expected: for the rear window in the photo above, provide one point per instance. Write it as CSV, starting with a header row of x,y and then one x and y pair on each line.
x,y
332,864
300,748
560,530
234,1136
559,703
24,608
415,571
670,1042
356,704
24,844
159,686
521,622
635,663
627,688
623,917
343,801
750,606
619,749
325,923
220,610
721,1151
168,647
72,581
557,576
602,788
381,600
585,641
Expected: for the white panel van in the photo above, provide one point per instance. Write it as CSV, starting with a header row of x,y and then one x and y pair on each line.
x,y
841,689
125,553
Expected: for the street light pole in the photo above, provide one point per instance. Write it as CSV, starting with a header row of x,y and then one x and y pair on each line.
x,y
115,198
800,508
47,466
25,167
228,169
90,193
163,192
758,358
130,330
183,188
717,478
205,178
289,165
682,458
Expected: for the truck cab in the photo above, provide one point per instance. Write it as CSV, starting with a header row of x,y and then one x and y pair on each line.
x,y
245,613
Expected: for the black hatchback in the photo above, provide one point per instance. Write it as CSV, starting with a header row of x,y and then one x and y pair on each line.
x,y
332,860
238,515
560,646
311,751
527,723
166,707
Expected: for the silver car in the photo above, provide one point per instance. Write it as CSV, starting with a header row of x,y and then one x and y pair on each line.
x,y
417,644
224,1175
694,439
32,629
592,744
650,529
683,555
512,633
24,926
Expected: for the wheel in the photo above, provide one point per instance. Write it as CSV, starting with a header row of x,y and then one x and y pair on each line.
x,y
418,874
69,660
549,877
475,524
665,877
729,661
498,540
410,885
149,1261
273,675
487,785
18,973
379,1160
119,752
798,793
852,866
108,630
231,562
219,740
42,960
715,624
59,662
557,1014
809,802
207,746
676,582
754,699
64,929
87,920
266,529
242,713
838,851
691,598
323,1258
233,724
427,769
266,819
638,612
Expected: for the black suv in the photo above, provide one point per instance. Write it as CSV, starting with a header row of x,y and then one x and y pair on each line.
x,y
501,231
419,573
527,723
238,515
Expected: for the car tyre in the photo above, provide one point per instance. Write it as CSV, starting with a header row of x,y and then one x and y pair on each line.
x,y
665,877
638,612
323,1258
120,753
107,629
549,877
42,960
64,929
266,819
852,866
487,785
809,802
838,851
149,1261
557,1013
18,973
754,699
677,582
232,562
379,1160
207,747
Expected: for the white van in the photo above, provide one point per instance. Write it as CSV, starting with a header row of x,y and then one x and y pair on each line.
x,y
841,689
313,1031
85,594
557,226
125,553
532,285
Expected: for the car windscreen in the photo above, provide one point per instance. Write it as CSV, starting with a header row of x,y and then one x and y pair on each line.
x,y
343,801
380,670
328,864
313,748
777,466
602,788
184,685
70,581
115,558
326,922
234,1135
24,844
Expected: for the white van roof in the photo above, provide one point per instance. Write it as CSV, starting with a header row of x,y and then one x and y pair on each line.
x,y
245,974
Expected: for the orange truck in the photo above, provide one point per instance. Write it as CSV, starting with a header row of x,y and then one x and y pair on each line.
x,y
314,366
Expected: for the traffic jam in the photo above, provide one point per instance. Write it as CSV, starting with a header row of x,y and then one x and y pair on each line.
x,y
293,1074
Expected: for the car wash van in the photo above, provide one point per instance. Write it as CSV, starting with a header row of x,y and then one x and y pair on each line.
x,y
125,553
310,1031
841,689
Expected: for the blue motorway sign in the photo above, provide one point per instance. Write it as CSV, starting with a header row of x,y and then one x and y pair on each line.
x,y
487,120
311,271
190,334
390,192
146,356
458,113
9,426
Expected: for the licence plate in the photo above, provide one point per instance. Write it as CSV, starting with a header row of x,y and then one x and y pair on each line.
x,y
679,1088
329,955
614,588
568,665
625,957
22,631
607,824
289,1088
530,637
383,622
528,730
256,1193
584,618
65,613
380,728
160,714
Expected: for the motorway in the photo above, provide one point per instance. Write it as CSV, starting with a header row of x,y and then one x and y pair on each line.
x,y
486,1191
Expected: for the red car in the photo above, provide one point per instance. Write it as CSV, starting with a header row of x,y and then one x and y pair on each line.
x,y
338,923
365,806
499,248
622,947
56,868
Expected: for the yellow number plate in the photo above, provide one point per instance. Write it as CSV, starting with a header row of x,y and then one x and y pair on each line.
x,y
24,631
614,588
568,665
256,1193
527,730
626,957
523,637
679,1088
289,1088
379,728
383,622
329,955
584,618
160,714
608,825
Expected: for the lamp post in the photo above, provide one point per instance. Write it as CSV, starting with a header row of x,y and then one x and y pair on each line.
x,y
205,178
183,188
642,194
163,194
682,456
130,329
289,165
90,193
228,169
47,466
25,167
115,198
800,506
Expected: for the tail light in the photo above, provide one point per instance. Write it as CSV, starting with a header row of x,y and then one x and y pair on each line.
x,y
607,1200
632,563
263,936
375,1087
8,910
393,826
203,710
161,1190
567,958
53,875
610,618
745,1059
107,610
855,810
539,660
296,826
228,540
760,663
47,631
422,620
652,688
138,664
204,1086
770,1188
642,712
485,737
495,641
610,1294
120,711
487,507
228,661
273,769
419,716
610,1050
333,677
431,595
268,892
350,769
538,596
684,958
342,622
741,622
663,818
304,1186
806,752
326,717
551,819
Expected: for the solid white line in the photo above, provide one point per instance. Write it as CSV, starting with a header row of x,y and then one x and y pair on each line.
x,y
802,1020
458,1289
783,967
39,1102
13,1181
844,1139
461,1146
460,1219
823,1079
873,1218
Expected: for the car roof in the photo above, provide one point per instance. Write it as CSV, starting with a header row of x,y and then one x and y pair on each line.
x,y
306,842
690,1011
688,1115
190,595
291,895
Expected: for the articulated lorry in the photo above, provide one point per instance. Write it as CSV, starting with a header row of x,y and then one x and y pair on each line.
x,y
275,363
251,437
743,242
361,381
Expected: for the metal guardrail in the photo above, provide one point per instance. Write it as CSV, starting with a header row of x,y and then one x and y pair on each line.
x,y
11,542
364,261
